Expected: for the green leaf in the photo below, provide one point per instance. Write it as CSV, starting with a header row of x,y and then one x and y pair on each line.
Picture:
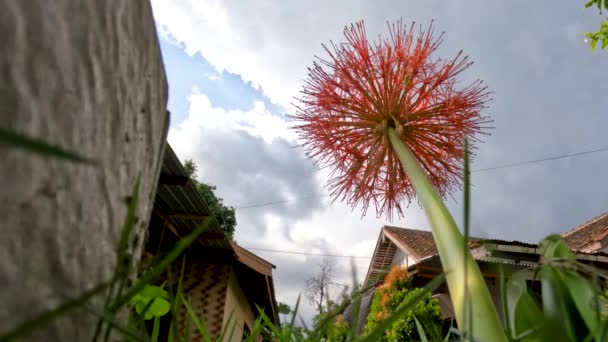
x,y
592,44
152,307
420,330
563,318
527,316
554,247
583,294
590,3
37,146
151,291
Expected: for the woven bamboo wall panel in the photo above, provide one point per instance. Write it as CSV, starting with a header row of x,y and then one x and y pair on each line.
x,y
206,286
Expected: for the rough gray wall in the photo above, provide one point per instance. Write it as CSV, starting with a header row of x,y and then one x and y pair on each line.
x,y
86,76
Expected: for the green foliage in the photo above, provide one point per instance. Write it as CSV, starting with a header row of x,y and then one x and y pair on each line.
x,y
602,33
225,215
151,301
570,307
388,298
283,308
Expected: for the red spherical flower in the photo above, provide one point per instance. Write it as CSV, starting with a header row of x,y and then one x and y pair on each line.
x,y
351,99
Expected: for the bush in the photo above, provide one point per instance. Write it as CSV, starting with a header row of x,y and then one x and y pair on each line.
x,y
397,289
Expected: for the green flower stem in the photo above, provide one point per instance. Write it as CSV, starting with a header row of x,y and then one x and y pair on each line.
x,y
486,323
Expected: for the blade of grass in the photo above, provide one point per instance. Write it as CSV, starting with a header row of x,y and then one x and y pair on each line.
x,y
128,332
26,328
420,330
197,322
18,140
123,243
505,303
449,243
402,309
187,329
295,312
155,329
465,245
357,303
157,270
175,296
267,322
449,334
256,330
226,326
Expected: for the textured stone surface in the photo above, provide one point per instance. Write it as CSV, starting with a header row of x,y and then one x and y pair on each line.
x,y
86,76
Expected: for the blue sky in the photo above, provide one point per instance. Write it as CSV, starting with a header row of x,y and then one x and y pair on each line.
x,y
186,72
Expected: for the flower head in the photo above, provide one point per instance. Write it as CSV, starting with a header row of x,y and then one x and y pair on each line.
x,y
350,100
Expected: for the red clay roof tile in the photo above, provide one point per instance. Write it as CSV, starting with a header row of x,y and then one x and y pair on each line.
x,y
586,233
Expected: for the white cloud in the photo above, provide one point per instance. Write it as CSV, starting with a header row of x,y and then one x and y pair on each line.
x,y
270,43
548,101
203,117
247,154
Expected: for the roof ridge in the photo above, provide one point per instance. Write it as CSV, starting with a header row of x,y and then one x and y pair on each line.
x,y
413,229
584,224
431,232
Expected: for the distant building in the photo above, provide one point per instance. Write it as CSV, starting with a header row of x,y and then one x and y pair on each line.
x,y
225,282
416,250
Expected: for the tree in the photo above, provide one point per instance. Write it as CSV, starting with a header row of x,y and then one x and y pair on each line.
x,y
317,286
602,33
225,216
284,308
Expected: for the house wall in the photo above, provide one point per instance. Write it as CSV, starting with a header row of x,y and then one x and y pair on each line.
x,y
206,284
237,309
88,77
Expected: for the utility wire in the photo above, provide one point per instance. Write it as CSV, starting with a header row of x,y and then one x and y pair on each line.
x,y
304,253
528,162
522,163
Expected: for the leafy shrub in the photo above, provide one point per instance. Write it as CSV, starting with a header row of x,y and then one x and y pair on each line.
x,y
397,289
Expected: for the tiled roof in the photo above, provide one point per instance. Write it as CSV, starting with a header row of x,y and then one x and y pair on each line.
x,y
587,233
420,243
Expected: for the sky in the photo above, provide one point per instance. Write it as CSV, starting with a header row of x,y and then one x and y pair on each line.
x,y
234,68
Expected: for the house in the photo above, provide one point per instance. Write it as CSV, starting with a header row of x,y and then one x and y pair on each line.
x,y
225,282
590,237
416,251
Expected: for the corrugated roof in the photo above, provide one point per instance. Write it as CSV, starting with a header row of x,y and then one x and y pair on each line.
x,y
581,236
183,206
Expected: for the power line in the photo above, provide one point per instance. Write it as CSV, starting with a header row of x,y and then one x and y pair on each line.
x,y
528,162
304,253
272,203
516,164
